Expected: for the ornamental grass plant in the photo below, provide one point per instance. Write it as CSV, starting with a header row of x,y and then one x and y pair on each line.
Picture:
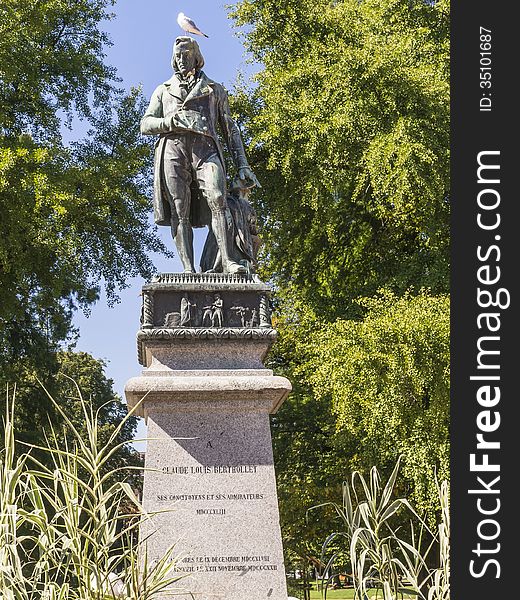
x,y
69,525
392,561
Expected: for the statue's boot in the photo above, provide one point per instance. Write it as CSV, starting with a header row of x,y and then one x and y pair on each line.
x,y
184,243
218,224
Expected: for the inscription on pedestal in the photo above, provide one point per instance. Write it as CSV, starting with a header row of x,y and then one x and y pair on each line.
x,y
219,564
212,500
217,487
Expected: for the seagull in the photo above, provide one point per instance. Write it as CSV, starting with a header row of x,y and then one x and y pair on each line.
x,y
188,25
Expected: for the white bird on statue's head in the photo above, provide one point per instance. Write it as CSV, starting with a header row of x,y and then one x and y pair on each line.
x,y
188,25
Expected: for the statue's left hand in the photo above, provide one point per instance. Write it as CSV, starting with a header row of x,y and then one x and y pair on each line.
x,y
248,177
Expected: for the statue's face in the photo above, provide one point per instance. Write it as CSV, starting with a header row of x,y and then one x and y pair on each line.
x,y
185,59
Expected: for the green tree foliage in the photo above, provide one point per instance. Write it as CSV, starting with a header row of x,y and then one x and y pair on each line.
x,y
72,216
388,379
349,129
78,375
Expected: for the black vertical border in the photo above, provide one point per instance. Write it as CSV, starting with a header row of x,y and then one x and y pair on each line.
x,y
474,131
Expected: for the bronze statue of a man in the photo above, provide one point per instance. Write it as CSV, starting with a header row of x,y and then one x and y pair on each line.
x,y
190,180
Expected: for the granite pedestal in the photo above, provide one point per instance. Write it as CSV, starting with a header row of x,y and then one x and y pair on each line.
x,y
206,396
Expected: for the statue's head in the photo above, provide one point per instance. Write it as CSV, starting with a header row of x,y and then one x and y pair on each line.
x,y
187,56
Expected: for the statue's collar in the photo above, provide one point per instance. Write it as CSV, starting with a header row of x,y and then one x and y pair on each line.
x,y
177,79
202,86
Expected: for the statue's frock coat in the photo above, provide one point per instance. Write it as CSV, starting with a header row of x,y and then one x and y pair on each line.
x,y
204,111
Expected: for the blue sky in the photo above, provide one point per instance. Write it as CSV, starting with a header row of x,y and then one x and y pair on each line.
x,y
143,32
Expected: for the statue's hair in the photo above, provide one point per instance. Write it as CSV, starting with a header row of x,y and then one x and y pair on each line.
x,y
188,41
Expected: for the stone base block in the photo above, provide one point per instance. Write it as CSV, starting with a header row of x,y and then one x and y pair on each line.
x,y
212,472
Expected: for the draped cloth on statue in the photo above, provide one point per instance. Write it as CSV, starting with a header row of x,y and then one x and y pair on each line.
x,y
242,236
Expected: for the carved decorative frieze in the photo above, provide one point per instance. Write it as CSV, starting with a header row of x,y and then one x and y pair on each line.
x,y
203,306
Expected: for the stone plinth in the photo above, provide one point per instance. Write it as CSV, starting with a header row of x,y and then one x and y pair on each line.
x,y
209,465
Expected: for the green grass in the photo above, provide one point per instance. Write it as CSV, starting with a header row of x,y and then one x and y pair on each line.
x,y
334,594
347,594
